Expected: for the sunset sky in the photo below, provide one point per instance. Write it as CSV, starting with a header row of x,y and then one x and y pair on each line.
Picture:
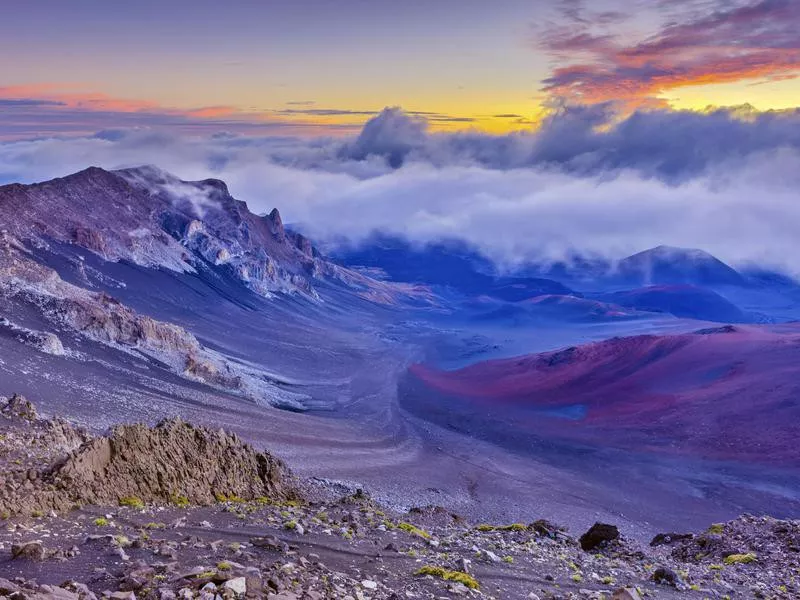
x,y
323,67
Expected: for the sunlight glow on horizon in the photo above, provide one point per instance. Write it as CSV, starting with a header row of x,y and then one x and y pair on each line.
x,y
311,68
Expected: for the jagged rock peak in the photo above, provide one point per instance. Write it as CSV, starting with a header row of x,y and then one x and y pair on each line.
x,y
216,184
276,223
275,217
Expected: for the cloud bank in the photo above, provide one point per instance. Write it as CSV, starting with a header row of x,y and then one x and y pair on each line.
x,y
724,181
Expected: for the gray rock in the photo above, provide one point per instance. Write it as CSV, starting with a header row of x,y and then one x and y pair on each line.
x,y
237,585
29,550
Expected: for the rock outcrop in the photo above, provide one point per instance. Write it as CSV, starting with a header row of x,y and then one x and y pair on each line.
x,y
48,465
174,460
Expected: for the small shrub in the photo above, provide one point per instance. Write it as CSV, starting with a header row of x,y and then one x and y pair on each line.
x,y
716,529
224,566
179,501
414,530
456,576
485,528
131,502
740,559
513,527
508,559
101,521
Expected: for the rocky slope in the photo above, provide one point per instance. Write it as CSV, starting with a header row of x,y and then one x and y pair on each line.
x,y
102,318
51,466
247,528
152,218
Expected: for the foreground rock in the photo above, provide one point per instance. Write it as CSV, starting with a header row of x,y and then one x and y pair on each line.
x,y
174,461
184,512
50,466
599,536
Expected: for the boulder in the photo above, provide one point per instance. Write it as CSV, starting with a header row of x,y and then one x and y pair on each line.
x,y
28,550
665,576
598,536
19,407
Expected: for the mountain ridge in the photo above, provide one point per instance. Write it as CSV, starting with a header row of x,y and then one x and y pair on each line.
x,y
151,218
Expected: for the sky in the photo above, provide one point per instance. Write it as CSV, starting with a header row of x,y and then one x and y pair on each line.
x,y
324,67
531,129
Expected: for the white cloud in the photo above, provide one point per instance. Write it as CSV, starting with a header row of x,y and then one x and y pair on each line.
x,y
716,182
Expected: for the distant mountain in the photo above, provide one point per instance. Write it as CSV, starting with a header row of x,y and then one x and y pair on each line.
x,y
549,309
712,394
675,266
767,278
452,264
151,218
688,301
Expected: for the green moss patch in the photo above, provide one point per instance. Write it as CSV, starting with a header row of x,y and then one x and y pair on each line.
x,y
456,576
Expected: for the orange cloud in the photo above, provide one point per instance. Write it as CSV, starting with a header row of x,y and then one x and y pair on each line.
x,y
758,41
55,109
90,101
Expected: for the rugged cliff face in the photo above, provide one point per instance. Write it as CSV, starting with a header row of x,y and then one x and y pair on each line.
x,y
52,466
154,219
101,318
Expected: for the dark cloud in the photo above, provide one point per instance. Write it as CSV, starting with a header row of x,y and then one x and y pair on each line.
x,y
326,112
589,139
9,103
393,134
339,112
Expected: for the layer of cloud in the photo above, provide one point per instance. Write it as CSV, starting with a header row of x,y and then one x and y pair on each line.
x,y
724,181
699,42
50,110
